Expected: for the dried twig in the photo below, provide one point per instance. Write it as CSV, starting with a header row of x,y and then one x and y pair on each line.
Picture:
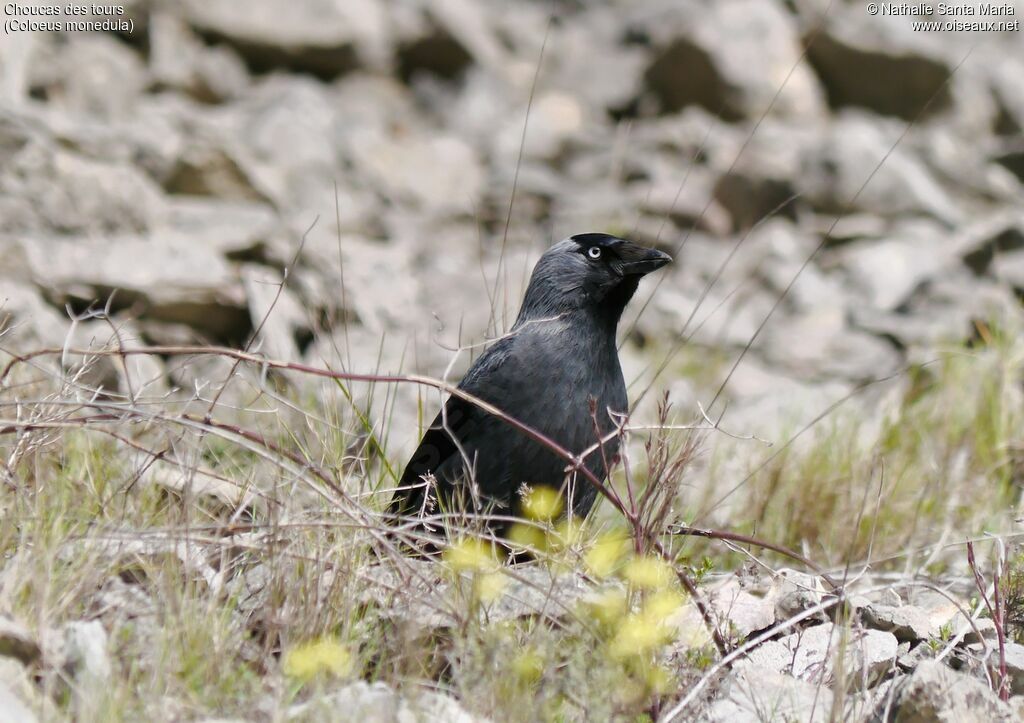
x,y
996,611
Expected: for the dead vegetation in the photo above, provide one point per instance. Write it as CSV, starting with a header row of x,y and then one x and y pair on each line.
x,y
239,562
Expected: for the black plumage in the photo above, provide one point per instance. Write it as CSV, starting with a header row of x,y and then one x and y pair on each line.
x,y
560,354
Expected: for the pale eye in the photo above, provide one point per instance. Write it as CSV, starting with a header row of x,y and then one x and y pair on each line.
x,y
594,252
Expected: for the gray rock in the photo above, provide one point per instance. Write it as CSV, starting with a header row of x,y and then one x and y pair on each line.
x,y
923,329
437,172
889,596
809,654
910,659
687,201
369,101
850,227
237,230
753,695
1009,268
366,271
17,131
741,612
283,136
972,631
207,167
15,57
559,117
1008,89
980,241
608,80
874,704
887,271
758,177
837,167
164,277
852,51
731,58
135,374
444,38
936,693
204,375
47,188
379,703
604,204
906,622
1014,664
131,557
17,642
91,73
820,344
213,491
764,401
322,38
18,692
139,375
25,318
532,591
12,709
283,321
949,306
179,59
85,653
1010,155
750,198
943,602
150,139
727,316
91,374
956,163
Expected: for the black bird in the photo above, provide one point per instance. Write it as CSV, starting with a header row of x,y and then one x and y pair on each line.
x,y
560,354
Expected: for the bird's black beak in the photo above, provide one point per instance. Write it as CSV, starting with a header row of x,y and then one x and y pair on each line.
x,y
637,260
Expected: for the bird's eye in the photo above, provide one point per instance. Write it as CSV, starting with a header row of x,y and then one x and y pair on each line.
x,y
594,252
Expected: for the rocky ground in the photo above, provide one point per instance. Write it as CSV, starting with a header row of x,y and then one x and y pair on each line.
x,y
402,164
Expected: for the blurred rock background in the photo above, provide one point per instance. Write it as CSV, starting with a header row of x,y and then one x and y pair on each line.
x,y
403,163
180,165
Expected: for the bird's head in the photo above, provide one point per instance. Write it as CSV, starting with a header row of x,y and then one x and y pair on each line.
x,y
592,272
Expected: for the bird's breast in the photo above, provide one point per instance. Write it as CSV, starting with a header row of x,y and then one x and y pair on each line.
x,y
566,370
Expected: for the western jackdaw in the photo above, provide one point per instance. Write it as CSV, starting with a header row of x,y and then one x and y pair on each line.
x,y
560,354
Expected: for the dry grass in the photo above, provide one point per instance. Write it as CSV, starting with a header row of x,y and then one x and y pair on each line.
x,y
232,555
927,457
233,561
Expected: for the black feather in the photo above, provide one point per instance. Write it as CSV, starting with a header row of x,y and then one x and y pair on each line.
x,y
559,357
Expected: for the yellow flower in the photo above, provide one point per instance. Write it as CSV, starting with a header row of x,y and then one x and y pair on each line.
x,y
661,605
569,532
471,554
606,554
528,536
322,656
609,606
528,666
488,586
650,573
659,680
649,628
638,635
542,504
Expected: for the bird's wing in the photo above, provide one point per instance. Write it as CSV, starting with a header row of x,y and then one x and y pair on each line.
x,y
438,454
